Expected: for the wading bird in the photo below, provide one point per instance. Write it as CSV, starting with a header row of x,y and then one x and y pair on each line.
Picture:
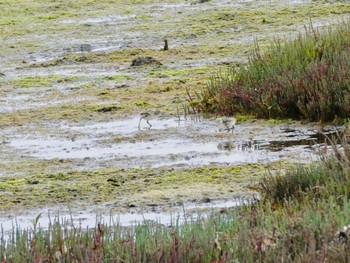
x,y
147,116
227,124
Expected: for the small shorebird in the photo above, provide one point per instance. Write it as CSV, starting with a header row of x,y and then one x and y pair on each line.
x,y
227,124
228,146
147,116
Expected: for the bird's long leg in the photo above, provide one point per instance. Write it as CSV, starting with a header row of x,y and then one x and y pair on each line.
x,y
232,128
140,122
150,125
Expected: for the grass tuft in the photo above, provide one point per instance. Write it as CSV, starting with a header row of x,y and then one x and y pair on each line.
x,y
307,78
329,177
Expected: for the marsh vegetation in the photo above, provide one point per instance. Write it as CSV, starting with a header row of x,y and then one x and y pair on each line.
x,y
306,78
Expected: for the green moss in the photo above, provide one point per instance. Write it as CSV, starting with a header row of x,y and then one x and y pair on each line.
x,y
49,16
327,9
141,103
42,81
59,176
104,108
123,186
242,118
275,121
181,71
117,77
8,185
226,16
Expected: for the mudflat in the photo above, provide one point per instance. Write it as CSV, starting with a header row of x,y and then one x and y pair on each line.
x,y
70,99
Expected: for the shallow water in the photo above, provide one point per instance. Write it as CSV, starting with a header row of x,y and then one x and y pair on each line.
x,y
91,219
127,126
168,143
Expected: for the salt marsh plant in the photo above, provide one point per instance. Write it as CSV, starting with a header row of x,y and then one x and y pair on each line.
x,y
261,232
305,78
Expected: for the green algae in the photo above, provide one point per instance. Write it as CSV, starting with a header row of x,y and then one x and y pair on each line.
x,y
104,108
124,186
42,81
9,185
117,77
185,72
141,103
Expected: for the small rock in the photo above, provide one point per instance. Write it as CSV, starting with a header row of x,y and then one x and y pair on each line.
x,y
108,108
114,182
152,205
206,200
121,86
187,158
141,61
288,130
84,48
192,36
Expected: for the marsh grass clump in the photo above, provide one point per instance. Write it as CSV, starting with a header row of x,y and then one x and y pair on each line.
x,y
295,184
329,177
306,78
296,232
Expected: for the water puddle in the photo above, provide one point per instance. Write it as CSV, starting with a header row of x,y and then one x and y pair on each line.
x,y
145,154
110,19
23,102
85,220
168,143
124,127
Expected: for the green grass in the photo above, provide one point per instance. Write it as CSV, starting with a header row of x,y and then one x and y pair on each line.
x,y
41,81
306,78
296,232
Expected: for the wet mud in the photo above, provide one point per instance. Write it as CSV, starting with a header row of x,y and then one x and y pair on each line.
x,y
169,143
